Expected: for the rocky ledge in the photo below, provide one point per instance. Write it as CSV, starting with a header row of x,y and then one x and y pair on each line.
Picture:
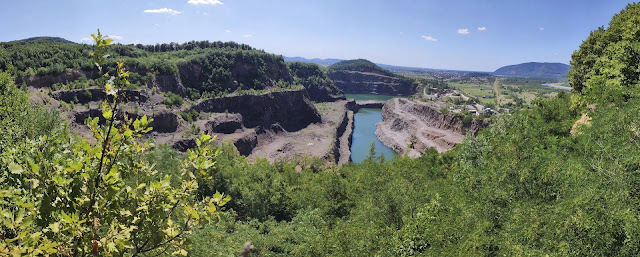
x,y
410,127
356,82
291,109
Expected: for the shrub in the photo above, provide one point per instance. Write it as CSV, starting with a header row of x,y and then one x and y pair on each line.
x,y
172,99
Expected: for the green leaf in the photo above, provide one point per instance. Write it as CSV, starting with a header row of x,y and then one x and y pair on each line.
x,y
15,168
107,113
55,227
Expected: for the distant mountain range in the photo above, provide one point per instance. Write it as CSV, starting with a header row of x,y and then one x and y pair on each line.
x,y
393,68
535,70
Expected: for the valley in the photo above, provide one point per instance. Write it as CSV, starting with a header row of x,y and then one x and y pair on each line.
x,y
113,143
291,110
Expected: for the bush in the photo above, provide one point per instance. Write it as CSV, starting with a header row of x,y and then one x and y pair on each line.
x,y
172,100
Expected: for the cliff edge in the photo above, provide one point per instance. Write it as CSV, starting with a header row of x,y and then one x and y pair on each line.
x,y
410,127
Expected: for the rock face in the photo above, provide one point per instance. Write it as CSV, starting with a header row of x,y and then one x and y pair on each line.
x,y
356,82
163,121
168,83
324,94
226,124
97,94
184,144
292,109
431,116
411,127
344,137
355,106
39,81
246,143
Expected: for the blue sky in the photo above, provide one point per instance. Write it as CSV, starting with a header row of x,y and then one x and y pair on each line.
x,y
480,35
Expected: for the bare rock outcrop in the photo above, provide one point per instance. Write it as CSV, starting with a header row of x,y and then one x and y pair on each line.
x,y
410,127
246,143
183,145
97,94
225,124
168,83
291,109
39,81
357,82
164,121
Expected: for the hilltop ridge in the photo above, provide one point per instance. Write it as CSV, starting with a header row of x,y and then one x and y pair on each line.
x,y
361,76
534,70
46,39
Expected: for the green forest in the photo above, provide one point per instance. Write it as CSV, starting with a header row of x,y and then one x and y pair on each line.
x,y
535,183
358,65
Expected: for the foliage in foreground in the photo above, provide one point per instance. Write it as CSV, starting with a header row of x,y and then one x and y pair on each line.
x,y
606,68
67,196
526,186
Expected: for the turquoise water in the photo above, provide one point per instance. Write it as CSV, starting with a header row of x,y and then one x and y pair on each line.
x,y
362,97
365,132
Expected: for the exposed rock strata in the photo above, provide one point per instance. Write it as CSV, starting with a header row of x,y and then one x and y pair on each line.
x,y
355,106
292,109
356,82
168,83
183,145
164,121
344,139
39,81
410,127
97,94
225,124
246,143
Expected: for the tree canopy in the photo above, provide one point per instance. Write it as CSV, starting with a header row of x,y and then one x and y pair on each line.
x,y
606,68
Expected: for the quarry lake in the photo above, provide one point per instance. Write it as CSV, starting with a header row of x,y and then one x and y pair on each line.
x,y
365,129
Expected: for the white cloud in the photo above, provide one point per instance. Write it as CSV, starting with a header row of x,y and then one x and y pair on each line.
x,y
228,31
86,40
248,35
430,38
115,37
163,10
209,2
482,28
205,13
463,31
555,53
541,28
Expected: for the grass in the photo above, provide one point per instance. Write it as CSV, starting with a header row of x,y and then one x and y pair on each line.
x,y
527,90
484,92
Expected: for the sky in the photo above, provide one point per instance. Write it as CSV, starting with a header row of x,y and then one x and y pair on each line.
x,y
473,35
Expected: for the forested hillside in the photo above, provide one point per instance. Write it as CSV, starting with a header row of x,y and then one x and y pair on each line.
x,y
193,69
534,70
558,179
358,65
320,87
361,76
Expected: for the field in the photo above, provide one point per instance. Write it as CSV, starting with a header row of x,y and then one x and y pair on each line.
x,y
507,91
484,92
